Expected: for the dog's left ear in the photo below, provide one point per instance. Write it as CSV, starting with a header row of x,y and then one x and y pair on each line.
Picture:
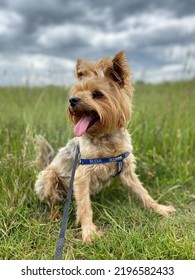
x,y
119,70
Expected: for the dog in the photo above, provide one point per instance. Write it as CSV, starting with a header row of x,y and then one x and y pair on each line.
x,y
100,109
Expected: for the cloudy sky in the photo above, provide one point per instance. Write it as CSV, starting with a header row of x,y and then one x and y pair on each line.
x,y
40,40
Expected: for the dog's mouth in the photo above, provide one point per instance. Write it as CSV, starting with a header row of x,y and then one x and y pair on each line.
x,y
87,120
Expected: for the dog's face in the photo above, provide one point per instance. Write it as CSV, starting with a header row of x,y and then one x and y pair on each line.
x,y
99,102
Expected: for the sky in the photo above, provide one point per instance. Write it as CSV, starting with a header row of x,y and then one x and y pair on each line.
x,y
41,40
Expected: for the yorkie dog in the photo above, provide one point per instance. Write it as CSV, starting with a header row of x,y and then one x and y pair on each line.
x,y
100,109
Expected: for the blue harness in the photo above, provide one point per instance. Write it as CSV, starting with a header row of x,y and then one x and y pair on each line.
x,y
118,159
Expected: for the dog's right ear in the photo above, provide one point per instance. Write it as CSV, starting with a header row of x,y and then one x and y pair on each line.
x,y
78,72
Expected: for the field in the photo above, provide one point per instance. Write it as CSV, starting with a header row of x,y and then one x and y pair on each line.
x,y
163,132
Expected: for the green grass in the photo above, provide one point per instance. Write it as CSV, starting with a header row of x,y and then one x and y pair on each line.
x,y
163,132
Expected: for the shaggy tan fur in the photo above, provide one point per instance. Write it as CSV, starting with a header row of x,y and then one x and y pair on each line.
x,y
100,109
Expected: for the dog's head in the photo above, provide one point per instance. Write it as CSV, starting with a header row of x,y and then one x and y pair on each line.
x,y
100,101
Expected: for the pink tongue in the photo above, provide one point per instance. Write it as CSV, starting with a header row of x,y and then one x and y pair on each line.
x,y
82,125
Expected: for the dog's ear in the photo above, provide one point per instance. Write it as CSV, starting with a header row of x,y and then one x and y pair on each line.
x,y
78,71
84,68
119,70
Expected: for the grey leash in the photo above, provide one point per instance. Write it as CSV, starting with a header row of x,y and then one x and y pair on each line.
x,y
61,238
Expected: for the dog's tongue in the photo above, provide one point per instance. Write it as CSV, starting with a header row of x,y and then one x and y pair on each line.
x,y
82,125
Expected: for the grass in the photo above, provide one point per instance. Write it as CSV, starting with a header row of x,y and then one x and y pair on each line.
x,y
163,132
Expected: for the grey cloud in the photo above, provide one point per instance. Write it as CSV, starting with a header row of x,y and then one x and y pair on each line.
x,y
100,20
136,7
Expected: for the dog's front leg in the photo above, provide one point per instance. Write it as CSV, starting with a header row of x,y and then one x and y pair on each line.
x,y
83,201
130,179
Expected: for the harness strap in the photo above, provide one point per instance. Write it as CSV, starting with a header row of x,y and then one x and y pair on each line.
x,y
118,159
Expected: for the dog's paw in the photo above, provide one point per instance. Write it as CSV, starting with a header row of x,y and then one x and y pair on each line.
x,y
54,216
89,233
164,210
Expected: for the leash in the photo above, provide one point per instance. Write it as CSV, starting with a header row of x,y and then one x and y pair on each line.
x,y
60,245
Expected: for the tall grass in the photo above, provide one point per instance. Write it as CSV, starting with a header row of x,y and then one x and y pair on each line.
x,y
163,132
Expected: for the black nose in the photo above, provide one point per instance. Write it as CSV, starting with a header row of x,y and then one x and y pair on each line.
x,y
74,101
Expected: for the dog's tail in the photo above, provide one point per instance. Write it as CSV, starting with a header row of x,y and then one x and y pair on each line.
x,y
44,152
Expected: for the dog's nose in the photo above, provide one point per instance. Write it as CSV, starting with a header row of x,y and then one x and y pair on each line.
x,y
74,101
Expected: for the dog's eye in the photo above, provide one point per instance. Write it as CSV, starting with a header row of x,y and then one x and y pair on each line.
x,y
96,94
